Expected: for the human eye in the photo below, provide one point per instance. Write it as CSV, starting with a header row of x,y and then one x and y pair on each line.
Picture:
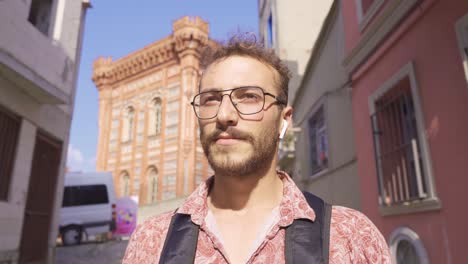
x,y
208,99
249,97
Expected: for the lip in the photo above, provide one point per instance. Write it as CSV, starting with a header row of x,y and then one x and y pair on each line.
x,y
227,141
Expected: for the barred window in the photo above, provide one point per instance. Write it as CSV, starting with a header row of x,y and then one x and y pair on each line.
x,y
399,160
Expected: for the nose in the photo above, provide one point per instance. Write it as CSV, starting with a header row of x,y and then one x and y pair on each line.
x,y
227,113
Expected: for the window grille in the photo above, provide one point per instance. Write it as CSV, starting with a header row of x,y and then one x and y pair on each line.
x,y
397,147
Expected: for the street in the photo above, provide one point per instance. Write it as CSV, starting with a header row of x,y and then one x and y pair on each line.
x,y
109,253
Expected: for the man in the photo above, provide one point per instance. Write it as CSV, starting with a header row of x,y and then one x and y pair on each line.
x,y
241,214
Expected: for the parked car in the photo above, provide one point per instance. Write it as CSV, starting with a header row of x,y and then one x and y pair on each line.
x,y
88,206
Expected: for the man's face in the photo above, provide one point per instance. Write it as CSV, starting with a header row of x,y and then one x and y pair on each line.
x,y
237,144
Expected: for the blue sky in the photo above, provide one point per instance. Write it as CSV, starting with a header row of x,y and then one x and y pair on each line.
x,y
115,28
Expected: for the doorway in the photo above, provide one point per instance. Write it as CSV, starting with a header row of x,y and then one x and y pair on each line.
x,y
40,199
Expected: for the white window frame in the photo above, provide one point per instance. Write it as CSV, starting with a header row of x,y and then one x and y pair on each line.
x,y
461,27
365,18
431,202
405,233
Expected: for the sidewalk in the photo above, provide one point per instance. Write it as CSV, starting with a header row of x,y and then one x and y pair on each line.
x,y
109,253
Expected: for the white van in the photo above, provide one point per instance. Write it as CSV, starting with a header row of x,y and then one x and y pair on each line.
x,y
88,206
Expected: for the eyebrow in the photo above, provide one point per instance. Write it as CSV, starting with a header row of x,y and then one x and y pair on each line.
x,y
210,90
222,90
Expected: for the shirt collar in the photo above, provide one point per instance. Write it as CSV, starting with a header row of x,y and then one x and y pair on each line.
x,y
293,205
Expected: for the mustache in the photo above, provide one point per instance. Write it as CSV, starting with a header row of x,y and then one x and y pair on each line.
x,y
233,132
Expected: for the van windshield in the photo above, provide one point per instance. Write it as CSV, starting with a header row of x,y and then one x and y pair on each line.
x,y
85,195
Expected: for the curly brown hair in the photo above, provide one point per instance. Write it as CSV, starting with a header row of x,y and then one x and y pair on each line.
x,y
247,45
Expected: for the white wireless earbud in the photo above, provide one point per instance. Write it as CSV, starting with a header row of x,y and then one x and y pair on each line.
x,y
283,130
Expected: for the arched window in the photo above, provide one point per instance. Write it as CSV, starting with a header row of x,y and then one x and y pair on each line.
x,y
125,179
407,247
152,184
129,117
155,117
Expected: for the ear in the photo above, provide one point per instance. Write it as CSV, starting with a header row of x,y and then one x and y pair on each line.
x,y
287,114
286,120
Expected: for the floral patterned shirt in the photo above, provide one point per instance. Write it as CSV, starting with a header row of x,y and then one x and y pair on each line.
x,y
353,237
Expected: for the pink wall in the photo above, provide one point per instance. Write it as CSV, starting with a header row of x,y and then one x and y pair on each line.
x,y
430,42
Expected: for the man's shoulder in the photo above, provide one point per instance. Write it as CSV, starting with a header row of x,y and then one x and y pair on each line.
x,y
350,220
157,221
148,238
340,213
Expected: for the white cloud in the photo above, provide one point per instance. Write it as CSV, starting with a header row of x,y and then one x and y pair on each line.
x,y
75,160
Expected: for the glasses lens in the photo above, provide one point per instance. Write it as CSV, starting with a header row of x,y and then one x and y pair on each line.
x,y
206,104
248,100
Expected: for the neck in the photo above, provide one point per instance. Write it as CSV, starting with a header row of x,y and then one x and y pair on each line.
x,y
257,190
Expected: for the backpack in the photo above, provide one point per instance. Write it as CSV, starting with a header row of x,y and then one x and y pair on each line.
x,y
305,241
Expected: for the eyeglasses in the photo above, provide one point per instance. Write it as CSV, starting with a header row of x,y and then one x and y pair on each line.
x,y
247,100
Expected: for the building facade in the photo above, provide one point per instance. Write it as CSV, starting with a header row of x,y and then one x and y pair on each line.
x,y
318,151
325,158
148,133
409,76
281,26
40,48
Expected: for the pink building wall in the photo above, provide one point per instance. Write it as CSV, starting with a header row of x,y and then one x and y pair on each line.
x,y
427,37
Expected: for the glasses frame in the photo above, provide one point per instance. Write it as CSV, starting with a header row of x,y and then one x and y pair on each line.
x,y
278,101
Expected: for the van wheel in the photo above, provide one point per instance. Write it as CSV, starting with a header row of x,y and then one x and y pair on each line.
x,y
71,235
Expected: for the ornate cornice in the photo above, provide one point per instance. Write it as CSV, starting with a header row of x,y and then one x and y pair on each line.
x,y
190,35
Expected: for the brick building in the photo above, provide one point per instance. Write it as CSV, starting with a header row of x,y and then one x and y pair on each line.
x,y
148,133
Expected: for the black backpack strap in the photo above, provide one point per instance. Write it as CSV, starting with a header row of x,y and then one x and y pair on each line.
x,y
326,232
181,241
307,241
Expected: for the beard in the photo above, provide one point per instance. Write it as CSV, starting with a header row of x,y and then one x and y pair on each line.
x,y
225,160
